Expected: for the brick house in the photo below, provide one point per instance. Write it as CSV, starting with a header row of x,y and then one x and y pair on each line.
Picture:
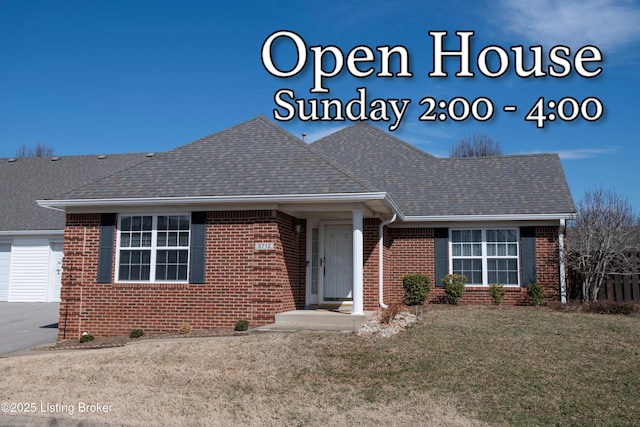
x,y
251,221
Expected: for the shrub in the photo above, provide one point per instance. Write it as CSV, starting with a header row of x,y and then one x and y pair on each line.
x,y
136,333
416,289
610,307
536,294
185,328
497,292
87,338
241,325
454,287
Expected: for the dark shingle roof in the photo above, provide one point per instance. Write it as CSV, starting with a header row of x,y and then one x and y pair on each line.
x,y
253,158
26,180
422,185
258,157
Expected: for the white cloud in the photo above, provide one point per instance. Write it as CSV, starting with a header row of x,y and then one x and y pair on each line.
x,y
607,24
584,153
578,153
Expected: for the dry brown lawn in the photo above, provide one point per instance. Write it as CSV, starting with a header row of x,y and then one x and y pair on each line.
x,y
460,366
255,380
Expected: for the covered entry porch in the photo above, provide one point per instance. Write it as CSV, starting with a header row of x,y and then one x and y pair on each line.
x,y
334,251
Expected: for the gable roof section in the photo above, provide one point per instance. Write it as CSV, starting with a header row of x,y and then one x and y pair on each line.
x,y
253,158
24,180
427,187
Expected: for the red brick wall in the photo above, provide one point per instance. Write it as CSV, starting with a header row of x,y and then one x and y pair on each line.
x,y
240,281
547,262
370,258
411,251
244,283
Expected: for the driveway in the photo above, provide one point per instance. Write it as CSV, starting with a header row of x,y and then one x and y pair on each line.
x,y
27,324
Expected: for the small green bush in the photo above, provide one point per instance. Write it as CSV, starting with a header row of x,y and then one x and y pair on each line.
x,y
136,333
241,325
536,294
454,287
416,289
497,292
87,338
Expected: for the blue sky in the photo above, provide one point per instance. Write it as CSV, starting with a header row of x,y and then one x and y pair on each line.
x,y
89,77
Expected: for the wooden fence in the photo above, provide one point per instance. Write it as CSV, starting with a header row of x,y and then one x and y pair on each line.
x,y
621,288
617,288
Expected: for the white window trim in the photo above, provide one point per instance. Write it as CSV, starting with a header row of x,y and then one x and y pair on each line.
x,y
153,247
484,256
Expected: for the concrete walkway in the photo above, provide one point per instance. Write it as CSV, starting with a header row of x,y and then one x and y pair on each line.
x,y
27,324
316,320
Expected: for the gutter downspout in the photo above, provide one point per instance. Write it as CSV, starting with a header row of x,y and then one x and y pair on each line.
x,y
563,279
380,260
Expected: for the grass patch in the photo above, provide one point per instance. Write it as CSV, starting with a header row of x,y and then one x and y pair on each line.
x,y
457,366
516,366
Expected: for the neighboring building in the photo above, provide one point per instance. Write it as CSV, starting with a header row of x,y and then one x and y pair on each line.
x,y
251,221
30,236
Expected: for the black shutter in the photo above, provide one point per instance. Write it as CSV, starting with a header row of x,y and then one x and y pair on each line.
x,y
197,247
105,253
528,248
441,249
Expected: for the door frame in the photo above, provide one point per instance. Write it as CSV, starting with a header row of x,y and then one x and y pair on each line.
x,y
321,260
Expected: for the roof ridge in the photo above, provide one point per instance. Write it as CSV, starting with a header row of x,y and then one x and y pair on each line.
x,y
74,156
307,147
133,165
386,134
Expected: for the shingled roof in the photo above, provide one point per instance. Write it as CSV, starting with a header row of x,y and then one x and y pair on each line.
x,y
259,158
426,186
24,180
253,158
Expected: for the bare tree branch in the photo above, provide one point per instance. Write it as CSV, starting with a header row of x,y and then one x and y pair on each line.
x,y
39,150
605,232
476,146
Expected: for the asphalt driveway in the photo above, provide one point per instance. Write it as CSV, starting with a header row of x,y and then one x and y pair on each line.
x,y
27,324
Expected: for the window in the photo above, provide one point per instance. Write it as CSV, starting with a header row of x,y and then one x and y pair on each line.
x,y
486,256
153,248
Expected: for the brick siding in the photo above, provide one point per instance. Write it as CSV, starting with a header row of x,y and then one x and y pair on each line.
x,y
411,251
240,281
244,283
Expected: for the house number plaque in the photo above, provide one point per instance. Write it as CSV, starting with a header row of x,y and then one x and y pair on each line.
x,y
265,246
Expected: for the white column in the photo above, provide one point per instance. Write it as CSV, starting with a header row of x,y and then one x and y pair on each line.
x,y
358,294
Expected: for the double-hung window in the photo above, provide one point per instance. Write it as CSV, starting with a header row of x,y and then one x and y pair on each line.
x,y
153,248
486,256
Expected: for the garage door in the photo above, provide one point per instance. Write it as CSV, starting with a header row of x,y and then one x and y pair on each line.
x,y
5,262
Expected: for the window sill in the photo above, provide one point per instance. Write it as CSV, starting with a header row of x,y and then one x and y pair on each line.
x,y
151,285
484,288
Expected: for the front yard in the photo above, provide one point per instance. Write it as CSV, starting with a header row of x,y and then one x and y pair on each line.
x,y
456,366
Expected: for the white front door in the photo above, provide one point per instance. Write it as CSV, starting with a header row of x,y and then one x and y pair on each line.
x,y
55,280
337,280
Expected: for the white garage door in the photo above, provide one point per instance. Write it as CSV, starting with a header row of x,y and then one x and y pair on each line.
x,y
5,262
30,270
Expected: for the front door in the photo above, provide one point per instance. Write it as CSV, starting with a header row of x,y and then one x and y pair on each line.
x,y
55,277
338,263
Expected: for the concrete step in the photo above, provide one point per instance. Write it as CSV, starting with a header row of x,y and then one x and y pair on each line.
x,y
316,320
